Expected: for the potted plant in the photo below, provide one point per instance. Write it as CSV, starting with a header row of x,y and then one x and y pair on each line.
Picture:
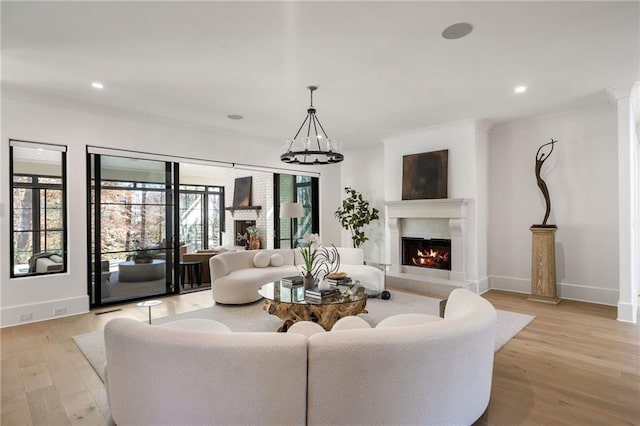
x,y
354,214
254,237
309,256
140,254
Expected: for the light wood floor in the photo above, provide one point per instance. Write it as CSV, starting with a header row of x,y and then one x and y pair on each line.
x,y
574,365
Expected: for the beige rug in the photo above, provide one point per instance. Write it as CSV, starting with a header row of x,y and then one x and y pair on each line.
x,y
253,318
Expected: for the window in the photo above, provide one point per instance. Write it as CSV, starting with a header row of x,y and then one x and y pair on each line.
x,y
299,189
201,216
38,205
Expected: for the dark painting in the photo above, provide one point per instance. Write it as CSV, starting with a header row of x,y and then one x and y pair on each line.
x,y
424,176
242,192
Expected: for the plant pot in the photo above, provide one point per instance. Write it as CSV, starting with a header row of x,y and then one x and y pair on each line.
x,y
308,280
145,260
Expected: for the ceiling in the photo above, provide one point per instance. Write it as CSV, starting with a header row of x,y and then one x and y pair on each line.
x,y
382,67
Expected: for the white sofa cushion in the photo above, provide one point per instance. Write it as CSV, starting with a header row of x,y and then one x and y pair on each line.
x,y
277,260
404,320
306,328
261,259
198,324
350,323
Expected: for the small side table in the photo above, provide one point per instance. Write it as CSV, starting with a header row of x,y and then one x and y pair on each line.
x,y
149,303
193,272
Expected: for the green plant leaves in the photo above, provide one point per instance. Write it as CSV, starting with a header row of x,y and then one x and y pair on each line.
x,y
354,214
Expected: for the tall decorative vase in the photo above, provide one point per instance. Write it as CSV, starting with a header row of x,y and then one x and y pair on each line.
x,y
254,243
308,280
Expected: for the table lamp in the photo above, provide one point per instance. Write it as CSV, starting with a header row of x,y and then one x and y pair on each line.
x,y
289,211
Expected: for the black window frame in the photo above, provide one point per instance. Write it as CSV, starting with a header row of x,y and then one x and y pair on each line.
x,y
36,188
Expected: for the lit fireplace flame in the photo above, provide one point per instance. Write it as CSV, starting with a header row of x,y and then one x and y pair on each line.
x,y
430,257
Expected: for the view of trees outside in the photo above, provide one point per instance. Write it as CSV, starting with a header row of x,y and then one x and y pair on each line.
x,y
215,217
200,204
132,216
303,194
37,217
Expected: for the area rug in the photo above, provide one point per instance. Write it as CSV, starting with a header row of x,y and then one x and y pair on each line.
x,y
253,318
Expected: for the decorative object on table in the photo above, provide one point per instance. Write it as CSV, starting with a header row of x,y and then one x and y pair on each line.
x,y
354,214
294,280
385,295
315,148
338,278
327,261
317,294
324,285
309,251
254,237
424,176
291,211
543,255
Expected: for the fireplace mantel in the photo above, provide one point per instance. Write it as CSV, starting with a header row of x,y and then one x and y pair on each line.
x,y
453,210
445,208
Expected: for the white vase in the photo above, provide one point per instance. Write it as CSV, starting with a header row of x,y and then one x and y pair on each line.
x,y
324,285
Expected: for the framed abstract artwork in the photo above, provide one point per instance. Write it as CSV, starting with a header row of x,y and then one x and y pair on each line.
x,y
242,192
424,176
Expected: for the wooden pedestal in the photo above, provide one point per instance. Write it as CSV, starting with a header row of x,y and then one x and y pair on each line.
x,y
543,264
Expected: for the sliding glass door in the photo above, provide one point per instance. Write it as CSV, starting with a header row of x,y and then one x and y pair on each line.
x,y
131,228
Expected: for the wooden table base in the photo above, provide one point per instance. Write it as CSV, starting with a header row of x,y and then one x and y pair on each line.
x,y
326,314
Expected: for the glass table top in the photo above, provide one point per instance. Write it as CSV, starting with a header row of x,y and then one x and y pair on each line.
x,y
289,293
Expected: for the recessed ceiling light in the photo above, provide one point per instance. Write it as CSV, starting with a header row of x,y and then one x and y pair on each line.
x,y
235,117
97,85
520,89
458,30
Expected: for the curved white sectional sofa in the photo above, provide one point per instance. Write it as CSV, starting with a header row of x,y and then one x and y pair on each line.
x,y
409,369
235,278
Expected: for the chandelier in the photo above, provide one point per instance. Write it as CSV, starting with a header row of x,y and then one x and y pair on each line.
x,y
316,147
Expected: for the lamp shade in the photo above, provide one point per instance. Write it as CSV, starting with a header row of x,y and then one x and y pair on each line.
x,y
290,210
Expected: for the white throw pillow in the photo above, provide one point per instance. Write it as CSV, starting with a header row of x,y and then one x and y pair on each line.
x,y
403,320
277,259
261,259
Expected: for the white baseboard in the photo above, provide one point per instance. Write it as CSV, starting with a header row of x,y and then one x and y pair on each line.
x,y
582,293
627,312
24,314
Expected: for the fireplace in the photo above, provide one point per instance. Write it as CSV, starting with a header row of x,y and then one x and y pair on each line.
x,y
438,219
427,253
240,227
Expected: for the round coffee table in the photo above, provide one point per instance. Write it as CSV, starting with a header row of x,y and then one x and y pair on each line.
x,y
288,302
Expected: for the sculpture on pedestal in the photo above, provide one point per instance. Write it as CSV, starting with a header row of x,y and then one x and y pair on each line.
x,y
541,157
543,255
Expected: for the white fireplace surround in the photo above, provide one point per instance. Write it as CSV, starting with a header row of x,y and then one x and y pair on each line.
x,y
452,209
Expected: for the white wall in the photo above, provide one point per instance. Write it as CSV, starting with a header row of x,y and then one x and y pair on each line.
x,y
467,145
77,128
261,195
582,178
363,170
